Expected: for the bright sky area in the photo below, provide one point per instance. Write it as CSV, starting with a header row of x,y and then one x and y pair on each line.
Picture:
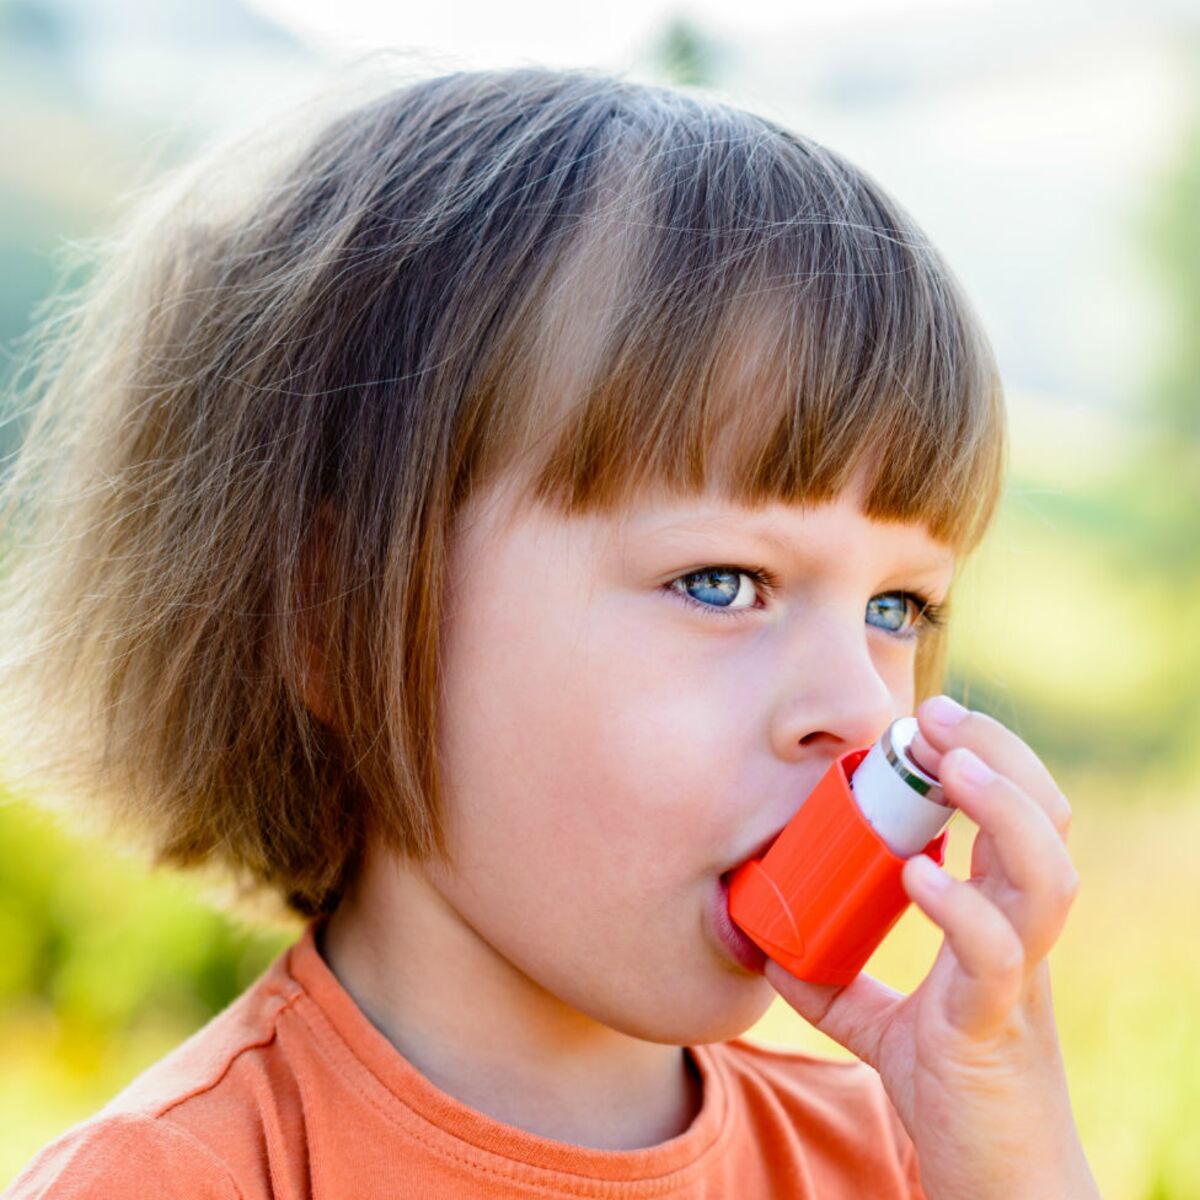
x,y
548,31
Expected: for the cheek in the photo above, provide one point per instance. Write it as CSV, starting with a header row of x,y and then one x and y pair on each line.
x,y
898,671
594,747
675,737
590,783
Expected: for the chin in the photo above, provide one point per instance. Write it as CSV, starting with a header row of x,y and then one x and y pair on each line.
x,y
725,1011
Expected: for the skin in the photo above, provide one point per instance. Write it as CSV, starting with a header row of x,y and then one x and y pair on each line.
x,y
609,751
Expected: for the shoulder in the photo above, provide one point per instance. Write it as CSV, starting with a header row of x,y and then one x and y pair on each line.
x,y
239,1040
838,1102
796,1071
115,1156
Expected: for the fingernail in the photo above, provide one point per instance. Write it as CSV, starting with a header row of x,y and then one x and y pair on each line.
x,y
941,710
971,768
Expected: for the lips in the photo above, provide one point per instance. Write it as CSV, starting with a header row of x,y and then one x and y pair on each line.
x,y
736,944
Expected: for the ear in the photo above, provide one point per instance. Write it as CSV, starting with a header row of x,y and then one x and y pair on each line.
x,y
313,682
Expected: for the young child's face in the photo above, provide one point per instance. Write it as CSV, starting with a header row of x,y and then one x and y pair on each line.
x,y
609,750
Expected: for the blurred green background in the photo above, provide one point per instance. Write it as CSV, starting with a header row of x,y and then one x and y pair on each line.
x,y
1076,626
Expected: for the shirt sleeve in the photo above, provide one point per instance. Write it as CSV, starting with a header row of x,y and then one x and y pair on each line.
x,y
125,1156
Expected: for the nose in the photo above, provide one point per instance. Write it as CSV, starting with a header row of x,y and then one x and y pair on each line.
x,y
834,699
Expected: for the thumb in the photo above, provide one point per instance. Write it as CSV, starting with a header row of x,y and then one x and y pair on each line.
x,y
854,1015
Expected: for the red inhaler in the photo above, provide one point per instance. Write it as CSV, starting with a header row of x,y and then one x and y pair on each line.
x,y
828,890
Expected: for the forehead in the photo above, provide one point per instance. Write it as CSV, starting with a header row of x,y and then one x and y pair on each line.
x,y
807,533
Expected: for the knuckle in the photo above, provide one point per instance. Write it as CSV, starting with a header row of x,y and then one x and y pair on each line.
x,y
1010,955
978,719
983,727
961,756
1068,886
1061,814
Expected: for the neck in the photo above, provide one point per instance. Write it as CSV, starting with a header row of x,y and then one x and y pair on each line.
x,y
481,1030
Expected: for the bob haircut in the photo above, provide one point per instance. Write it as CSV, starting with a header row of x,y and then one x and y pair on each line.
x,y
251,431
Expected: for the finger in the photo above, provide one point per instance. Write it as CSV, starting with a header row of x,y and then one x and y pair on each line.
x,y
944,724
924,755
1030,852
991,959
854,1015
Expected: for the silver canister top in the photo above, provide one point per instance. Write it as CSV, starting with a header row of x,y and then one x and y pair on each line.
x,y
896,742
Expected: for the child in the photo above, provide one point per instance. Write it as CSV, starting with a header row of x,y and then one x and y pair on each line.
x,y
481,532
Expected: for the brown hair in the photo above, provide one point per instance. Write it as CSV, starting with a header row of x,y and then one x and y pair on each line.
x,y
562,277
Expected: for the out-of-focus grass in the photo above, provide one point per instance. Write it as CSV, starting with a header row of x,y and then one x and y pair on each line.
x,y
103,969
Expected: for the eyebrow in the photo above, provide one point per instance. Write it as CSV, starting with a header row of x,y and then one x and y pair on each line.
x,y
745,527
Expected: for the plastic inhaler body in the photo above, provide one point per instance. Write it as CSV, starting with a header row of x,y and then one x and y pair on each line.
x,y
828,890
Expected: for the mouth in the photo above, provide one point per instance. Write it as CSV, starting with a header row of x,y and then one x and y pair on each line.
x,y
736,944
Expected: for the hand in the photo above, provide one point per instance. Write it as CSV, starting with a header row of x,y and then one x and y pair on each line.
x,y
971,1060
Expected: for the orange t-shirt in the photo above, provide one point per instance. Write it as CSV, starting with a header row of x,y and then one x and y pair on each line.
x,y
291,1092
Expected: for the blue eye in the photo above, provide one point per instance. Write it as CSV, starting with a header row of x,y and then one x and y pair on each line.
x,y
721,586
925,615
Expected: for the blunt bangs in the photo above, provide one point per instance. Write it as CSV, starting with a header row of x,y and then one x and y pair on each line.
x,y
745,314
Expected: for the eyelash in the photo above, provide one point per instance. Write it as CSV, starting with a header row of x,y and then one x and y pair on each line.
x,y
929,617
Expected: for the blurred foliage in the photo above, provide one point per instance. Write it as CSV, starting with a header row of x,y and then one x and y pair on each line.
x,y
1172,238
1158,487
96,939
684,55
105,967
1074,628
